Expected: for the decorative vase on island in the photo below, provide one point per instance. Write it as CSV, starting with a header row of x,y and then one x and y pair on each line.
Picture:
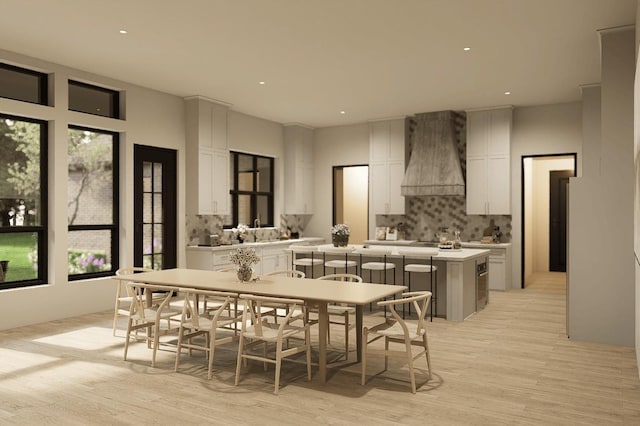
x,y
340,240
245,273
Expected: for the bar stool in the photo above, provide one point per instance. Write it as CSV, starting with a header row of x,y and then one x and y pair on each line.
x,y
340,263
422,268
306,262
383,266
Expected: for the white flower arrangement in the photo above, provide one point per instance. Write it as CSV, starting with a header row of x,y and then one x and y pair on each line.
x,y
244,257
340,229
241,231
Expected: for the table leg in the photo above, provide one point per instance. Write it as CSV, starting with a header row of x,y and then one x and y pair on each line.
x,y
359,313
323,320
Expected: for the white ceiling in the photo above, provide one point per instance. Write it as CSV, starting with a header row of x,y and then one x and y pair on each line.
x,y
370,58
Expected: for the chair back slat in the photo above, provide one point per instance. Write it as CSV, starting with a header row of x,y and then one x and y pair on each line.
x,y
420,301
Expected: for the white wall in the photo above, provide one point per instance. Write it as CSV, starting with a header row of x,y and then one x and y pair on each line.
x,y
601,283
636,212
547,129
152,118
636,215
334,146
254,135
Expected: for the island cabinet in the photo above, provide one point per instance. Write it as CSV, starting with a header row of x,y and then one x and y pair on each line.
x,y
386,166
489,162
298,170
207,156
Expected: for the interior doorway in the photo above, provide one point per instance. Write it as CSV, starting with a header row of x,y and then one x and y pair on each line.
x,y
545,181
351,199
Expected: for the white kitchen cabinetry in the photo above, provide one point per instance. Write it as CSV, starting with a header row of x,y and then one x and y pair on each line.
x,y
207,157
213,182
200,259
273,259
386,166
298,170
500,269
489,162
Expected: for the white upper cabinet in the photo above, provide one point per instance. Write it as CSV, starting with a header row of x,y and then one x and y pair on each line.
x,y
489,162
207,157
298,170
386,166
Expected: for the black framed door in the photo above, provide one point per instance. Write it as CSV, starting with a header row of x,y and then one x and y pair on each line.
x,y
558,181
155,203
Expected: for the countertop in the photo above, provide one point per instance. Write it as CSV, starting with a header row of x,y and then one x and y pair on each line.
x,y
259,244
461,255
416,243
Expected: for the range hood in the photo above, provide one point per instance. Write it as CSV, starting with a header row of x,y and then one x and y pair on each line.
x,y
434,166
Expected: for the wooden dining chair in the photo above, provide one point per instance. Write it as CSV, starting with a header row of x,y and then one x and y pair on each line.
x,y
292,273
218,326
123,300
150,318
261,330
397,330
341,311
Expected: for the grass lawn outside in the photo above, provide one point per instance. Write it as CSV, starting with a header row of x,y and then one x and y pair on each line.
x,y
16,249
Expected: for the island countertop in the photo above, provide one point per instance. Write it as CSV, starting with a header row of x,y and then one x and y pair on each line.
x,y
460,255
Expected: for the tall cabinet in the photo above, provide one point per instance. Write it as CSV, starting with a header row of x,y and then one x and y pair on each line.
x,y
207,157
386,168
489,161
298,170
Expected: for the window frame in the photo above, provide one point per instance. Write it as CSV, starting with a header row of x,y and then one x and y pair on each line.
x,y
115,113
42,229
235,192
115,226
43,80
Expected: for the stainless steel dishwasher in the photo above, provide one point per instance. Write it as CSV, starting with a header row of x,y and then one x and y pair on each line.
x,y
482,285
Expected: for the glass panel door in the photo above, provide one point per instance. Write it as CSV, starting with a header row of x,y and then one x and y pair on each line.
x,y
155,207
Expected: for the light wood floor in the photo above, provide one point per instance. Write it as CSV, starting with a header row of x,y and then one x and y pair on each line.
x,y
509,364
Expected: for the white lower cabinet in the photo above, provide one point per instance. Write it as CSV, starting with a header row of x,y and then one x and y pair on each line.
x,y
271,258
199,259
222,259
500,269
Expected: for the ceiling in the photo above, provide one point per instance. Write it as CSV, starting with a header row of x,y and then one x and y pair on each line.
x,y
372,59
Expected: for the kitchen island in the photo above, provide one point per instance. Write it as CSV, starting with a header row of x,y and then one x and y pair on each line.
x,y
457,284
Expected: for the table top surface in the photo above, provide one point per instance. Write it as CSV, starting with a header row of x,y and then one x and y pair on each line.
x,y
277,286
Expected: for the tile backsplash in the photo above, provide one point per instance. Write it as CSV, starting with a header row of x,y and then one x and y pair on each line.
x,y
425,216
200,227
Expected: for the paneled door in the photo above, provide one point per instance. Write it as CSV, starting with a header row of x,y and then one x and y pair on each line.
x,y
154,207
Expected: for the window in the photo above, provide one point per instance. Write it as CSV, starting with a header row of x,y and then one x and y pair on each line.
x,y
251,189
23,85
92,203
93,100
23,201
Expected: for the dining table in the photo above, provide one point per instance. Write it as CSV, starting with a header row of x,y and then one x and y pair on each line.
x,y
314,292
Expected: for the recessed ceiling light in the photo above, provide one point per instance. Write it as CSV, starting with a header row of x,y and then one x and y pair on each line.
x,y
123,31
507,92
261,83
466,49
343,112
